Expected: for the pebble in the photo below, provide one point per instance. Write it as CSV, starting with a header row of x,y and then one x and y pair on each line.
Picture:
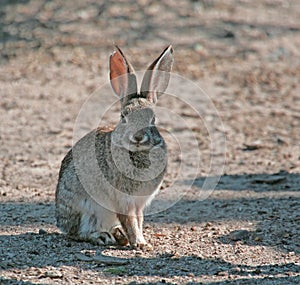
x,y
53,274
222,273
83,257
42,232
270,180
239,235
234,270
258,238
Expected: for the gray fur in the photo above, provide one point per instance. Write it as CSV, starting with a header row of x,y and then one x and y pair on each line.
x,y
108,178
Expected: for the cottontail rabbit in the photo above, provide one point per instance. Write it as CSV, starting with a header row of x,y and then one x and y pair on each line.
x,y
109,176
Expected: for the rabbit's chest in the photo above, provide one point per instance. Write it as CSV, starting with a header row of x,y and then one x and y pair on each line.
x,y
141,174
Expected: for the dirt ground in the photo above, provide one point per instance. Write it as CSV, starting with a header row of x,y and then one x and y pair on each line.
x,y
244,55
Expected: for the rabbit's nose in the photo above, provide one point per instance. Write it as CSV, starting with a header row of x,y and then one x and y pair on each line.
x,y
139,137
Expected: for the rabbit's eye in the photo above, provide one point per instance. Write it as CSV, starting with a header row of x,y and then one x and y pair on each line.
x,y
153,121
123,119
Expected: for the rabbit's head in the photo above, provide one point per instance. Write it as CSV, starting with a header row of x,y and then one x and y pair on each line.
x,y
136,130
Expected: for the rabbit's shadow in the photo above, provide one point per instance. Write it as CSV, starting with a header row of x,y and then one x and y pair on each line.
x,y
272,206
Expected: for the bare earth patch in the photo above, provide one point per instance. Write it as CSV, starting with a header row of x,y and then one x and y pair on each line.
x,y
243,54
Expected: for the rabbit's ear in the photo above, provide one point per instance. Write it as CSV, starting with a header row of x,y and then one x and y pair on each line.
x,y
157,76
122,77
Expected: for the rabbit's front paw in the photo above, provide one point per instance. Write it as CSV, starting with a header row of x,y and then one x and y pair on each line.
x,y
143,246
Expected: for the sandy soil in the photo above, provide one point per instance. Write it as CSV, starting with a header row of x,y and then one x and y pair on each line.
x,y
245,57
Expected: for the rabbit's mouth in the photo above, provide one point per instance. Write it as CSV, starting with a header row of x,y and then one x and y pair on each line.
x,y
140,140
138,146
143,147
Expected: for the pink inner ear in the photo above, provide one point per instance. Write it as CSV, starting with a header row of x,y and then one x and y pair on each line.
x,y
117,69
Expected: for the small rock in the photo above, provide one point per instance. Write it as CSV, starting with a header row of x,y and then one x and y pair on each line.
x,y
207,225
229,34
54,131
258,238
33,251
270,179
42,232
281,141
239,235
83,257
222,273
234,270
251,147
53,274
110,260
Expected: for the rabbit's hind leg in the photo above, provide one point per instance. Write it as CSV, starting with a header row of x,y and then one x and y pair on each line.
x,y
119,235
90,230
